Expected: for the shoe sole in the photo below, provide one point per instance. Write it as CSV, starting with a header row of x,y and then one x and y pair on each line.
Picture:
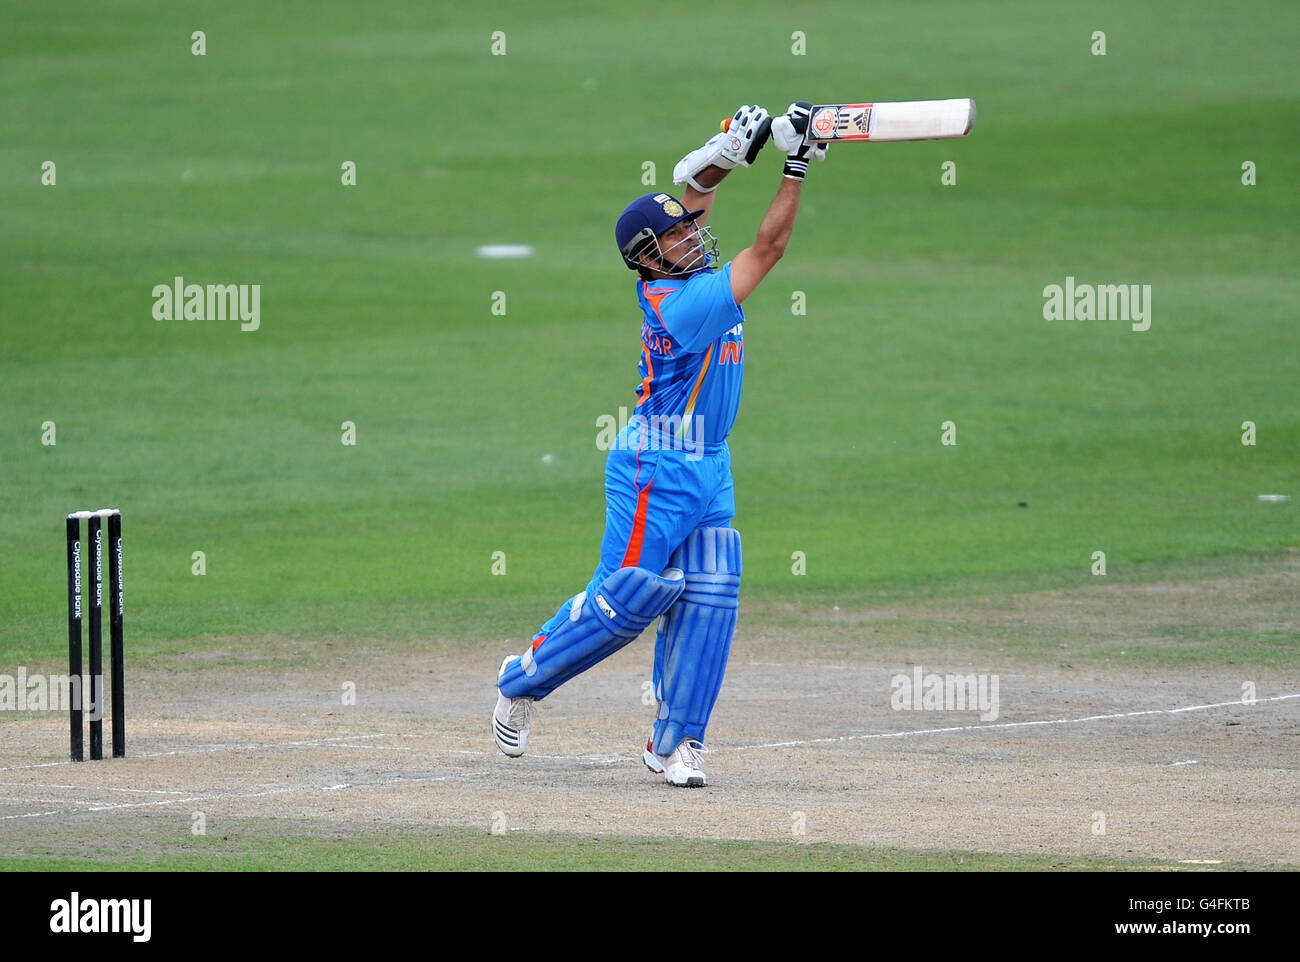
x,y
690,783
512,751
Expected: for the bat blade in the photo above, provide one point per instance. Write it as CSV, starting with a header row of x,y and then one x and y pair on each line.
x,y
883,123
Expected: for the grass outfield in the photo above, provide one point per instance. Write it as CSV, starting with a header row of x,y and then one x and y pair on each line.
x,y
924,303
464,850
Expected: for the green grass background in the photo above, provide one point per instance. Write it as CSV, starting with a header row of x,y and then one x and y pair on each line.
x,y
267,847
924,302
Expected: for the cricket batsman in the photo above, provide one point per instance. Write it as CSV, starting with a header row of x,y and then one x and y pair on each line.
x,y
669,549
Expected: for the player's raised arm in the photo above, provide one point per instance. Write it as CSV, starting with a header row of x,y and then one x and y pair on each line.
x,y
736,146
753,263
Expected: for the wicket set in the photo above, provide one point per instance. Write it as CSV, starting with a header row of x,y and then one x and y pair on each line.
x,y
94,537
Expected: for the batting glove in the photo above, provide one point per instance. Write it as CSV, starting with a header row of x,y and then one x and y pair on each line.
x,y
788,132
737,146
748,131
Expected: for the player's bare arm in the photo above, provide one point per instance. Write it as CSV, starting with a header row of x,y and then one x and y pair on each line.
x,y
753,263
696,199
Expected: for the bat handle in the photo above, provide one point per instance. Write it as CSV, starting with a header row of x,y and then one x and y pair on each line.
x,y
725,125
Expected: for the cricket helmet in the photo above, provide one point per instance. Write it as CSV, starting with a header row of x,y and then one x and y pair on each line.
x,y
646,219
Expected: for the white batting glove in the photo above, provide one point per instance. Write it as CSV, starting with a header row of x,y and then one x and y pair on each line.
x,y
747,133
788,132
737,146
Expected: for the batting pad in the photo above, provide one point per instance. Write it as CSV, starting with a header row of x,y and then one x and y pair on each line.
x,y
626,602
694,638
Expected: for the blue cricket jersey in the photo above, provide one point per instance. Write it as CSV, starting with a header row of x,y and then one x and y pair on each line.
x,y
692,354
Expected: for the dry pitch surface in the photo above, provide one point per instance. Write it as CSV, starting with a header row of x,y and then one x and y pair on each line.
x,y
1179,766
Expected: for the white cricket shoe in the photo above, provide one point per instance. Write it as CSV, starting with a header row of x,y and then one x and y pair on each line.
x,y
652,761
683,767
512,719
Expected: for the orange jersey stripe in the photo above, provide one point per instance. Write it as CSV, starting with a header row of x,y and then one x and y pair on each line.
x,y
656,298
650,376
695,391
632,556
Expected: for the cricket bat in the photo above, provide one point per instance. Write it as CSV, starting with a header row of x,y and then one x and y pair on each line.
x,y
883,123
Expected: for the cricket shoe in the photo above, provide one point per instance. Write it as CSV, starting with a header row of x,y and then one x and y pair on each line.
x,y
683,767
652,761
512,719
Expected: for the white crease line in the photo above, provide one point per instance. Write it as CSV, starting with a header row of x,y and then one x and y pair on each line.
x,y
32,815
337,742
289,790
93,807
165,801
253,746
225,746
105,788
457,777
96,807
1021,724
591,759
377,748
84,803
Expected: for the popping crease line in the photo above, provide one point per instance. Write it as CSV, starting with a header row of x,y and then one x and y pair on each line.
x,y
90,806
1020,724
230,746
